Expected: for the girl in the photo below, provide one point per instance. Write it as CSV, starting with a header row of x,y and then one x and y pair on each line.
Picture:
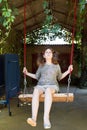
x,y
47,74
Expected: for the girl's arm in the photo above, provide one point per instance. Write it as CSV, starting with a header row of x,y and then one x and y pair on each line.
x,y
28,74
31,75
70,68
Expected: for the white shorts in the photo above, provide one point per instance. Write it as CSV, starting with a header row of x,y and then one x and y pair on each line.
x,y
44,87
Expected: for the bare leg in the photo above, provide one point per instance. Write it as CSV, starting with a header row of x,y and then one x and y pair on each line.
x,y
35,103
48,104
35,106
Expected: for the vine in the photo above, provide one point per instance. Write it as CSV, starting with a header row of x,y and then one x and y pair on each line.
x,y
80,21
7,17
49,30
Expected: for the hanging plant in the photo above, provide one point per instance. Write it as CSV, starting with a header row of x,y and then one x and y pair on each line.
x,y
6,19
49,30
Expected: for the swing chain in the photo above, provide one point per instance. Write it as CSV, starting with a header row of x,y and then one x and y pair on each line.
x,y
69,81
25,84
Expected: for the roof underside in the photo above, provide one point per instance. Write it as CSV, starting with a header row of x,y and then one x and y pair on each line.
x,y
62,11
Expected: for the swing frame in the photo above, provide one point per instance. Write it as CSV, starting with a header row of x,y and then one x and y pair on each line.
x,y
57,97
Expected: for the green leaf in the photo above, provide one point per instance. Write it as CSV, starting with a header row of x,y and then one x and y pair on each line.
x,y
1,20
9,10
47,11
0,1
45,4
4,9
8,14
4,23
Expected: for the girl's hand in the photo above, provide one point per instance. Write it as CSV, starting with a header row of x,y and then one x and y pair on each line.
x,y
70,68
25,71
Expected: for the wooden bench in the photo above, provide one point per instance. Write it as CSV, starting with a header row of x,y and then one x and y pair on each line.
x,y
58,97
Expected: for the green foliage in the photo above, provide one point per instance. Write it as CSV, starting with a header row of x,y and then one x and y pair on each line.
x,y
49,30
6,19
77,54
80,26
40,35
83,78
80,21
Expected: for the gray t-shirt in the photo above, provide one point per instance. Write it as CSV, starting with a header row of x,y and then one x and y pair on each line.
x,y
48,74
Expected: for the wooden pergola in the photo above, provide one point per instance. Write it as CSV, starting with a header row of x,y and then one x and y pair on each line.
x,y
62,11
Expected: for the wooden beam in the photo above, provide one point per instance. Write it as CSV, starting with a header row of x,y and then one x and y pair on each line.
x,y
28,19
59,97
59,12
20,4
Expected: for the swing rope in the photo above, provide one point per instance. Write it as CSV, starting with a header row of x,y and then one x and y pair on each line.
x,y
72,48
25,81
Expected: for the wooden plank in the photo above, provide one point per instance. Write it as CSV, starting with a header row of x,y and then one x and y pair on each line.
x,y
59,97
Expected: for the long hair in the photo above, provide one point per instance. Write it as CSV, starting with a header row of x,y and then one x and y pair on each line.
x,y
41,59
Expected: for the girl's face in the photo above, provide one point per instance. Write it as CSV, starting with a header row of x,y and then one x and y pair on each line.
x,y
48,54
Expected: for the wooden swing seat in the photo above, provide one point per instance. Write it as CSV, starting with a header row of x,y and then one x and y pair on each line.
x,y
58,97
